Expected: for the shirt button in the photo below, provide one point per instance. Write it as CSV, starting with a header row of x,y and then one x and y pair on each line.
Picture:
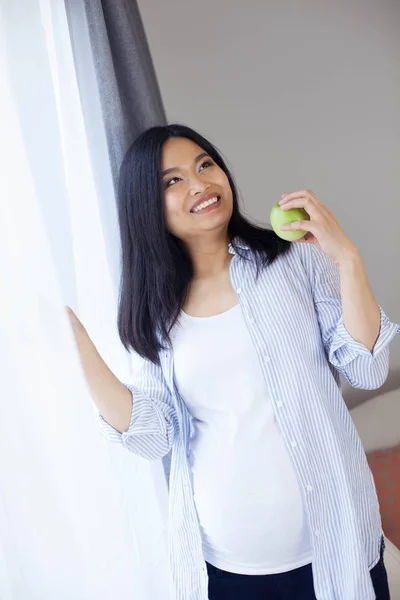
x,y
317,533
251,320
239,290
309,488
294,443
266,358
279,403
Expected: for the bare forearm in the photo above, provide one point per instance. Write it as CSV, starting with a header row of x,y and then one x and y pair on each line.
x,y
112,398
361,313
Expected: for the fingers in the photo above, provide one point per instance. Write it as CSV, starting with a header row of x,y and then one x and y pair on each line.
x,y
308,226
71,313
307,200
299,203
300,194
73,319
301,200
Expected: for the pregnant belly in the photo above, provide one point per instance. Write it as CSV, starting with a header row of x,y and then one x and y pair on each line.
x,y
250,507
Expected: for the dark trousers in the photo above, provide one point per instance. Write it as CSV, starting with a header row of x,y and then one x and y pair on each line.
x,y
293,585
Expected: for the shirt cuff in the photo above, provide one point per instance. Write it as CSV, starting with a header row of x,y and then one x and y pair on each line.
x,y
144,419
344,349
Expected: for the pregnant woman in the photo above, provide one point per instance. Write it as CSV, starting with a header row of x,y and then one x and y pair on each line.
x,y
242,337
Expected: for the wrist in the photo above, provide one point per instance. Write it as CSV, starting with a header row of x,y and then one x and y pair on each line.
x,y
350,260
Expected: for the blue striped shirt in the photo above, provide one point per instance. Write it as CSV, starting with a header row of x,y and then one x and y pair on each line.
x,y
294,315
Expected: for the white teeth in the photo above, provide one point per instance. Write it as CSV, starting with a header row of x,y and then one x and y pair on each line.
x,y
205,204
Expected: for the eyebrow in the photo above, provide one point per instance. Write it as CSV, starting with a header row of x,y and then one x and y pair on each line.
x,y
199,157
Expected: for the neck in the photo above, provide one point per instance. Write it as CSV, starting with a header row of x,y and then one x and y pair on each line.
x,y
210,256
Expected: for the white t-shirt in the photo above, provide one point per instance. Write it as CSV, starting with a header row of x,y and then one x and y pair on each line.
x,y
252,519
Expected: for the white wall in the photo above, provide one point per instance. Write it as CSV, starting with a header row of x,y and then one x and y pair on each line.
x,y
297,95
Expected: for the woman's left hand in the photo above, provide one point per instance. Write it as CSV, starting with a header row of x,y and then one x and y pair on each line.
x,y
323,230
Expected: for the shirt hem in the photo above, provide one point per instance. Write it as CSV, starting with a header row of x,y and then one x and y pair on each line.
x,y
240,570
375,562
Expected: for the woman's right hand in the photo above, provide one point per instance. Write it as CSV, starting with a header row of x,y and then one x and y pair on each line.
x,y
74,319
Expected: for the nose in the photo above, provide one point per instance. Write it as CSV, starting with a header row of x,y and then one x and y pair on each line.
x,y
197,185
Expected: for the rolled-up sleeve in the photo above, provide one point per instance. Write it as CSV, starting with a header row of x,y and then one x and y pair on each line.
x,y
153,424
362,368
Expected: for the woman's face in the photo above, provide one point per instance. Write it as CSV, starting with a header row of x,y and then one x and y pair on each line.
x,y
198,197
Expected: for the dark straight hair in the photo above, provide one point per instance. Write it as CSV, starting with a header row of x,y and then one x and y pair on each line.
x,y
156,267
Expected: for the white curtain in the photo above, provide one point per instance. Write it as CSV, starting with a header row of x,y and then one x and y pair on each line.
x,y
80,518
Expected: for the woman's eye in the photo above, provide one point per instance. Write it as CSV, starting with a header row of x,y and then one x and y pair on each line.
x,y
171,181
205,164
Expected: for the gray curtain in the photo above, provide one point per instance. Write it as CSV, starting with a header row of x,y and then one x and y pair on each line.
x,y
117,84
129,94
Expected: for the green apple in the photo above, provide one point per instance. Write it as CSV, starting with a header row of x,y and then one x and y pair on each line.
x,y
280,217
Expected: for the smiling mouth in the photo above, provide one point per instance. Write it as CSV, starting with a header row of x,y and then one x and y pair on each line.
x,y
206,205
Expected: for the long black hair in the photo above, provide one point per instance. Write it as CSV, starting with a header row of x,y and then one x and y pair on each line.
x,y
156,267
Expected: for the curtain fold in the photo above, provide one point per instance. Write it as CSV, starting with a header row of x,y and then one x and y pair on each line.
x,y
117,85
79,517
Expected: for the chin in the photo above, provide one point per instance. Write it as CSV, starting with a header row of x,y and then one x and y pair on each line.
x,y
217,221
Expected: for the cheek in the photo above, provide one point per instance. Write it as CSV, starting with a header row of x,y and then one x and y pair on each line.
x,y
173,211
228,196
224,183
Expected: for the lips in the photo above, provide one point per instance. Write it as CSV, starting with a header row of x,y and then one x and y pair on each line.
x,y
205,202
